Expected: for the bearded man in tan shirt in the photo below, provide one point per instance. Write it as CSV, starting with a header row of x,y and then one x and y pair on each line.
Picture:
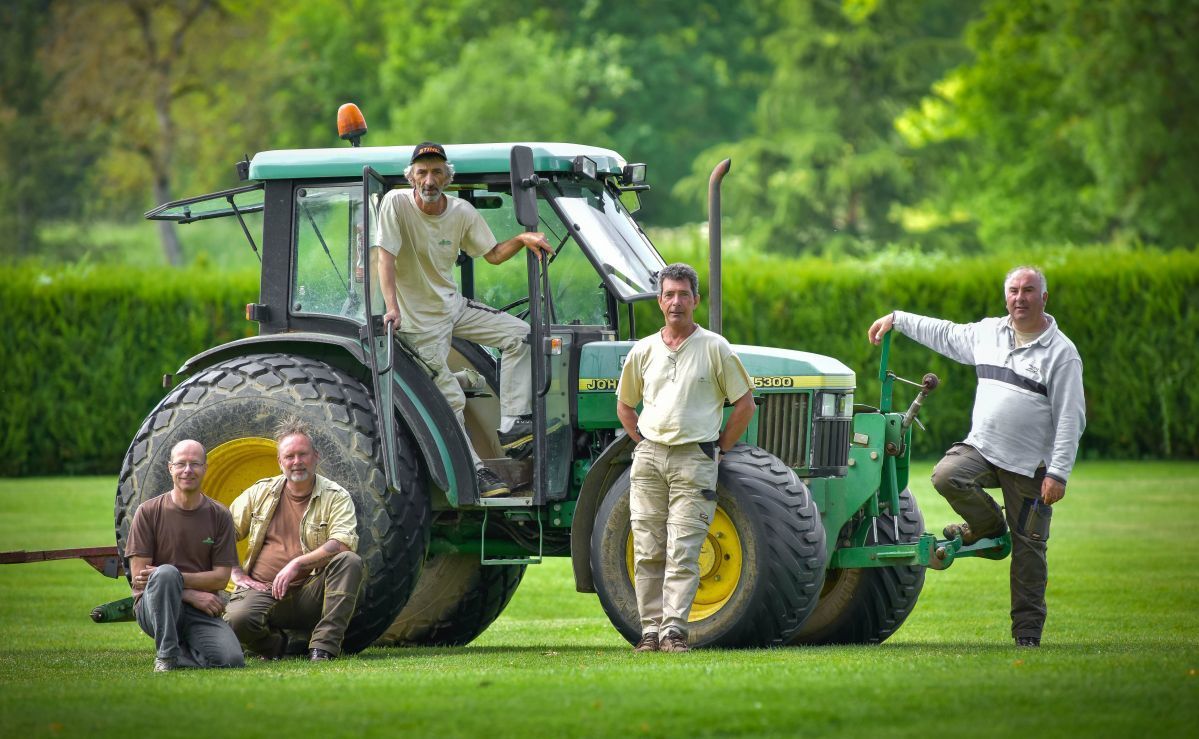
x,y
682,376
301,571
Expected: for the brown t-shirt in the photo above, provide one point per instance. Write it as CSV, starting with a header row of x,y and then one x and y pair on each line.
x,y
282,542
198,540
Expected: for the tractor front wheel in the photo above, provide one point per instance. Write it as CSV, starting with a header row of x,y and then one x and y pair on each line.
x,y
867,605
761,566
456,599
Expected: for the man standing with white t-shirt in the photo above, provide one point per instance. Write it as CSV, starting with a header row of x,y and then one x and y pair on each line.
x,y
682,376
421,231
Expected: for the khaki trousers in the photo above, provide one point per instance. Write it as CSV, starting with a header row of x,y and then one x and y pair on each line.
x,y
484,325
671,503
322,604
961,476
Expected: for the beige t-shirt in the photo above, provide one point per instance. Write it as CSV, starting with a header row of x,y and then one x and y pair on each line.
x,y
684,390
425,248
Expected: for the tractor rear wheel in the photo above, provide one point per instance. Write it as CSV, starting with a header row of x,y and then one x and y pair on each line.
x,y
867,605
233,408
761,566
456,599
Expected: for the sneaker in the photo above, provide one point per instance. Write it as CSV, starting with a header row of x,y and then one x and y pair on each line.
x,y
517,442
165,664
954,530
1028,641
320,655
490,484
674,642
648,643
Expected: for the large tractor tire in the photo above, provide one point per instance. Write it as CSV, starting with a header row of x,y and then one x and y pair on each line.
x,y
761,566
865,606
233,408
456,599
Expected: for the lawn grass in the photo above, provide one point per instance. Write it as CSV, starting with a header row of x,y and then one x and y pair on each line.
x,y
1120,659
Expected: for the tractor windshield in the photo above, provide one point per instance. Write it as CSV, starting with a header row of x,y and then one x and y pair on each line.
x,y
625,257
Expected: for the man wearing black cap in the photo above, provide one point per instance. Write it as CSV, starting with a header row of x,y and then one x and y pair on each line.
x,y
420,234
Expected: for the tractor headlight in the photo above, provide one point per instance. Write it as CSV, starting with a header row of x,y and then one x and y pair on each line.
x,y
834,405
828,405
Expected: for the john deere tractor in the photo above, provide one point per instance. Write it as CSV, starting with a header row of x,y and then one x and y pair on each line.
x,y
816,538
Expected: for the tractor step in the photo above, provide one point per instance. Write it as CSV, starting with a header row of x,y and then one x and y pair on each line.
x,y
489,503
508,501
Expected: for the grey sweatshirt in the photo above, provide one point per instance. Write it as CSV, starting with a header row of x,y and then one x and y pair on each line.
x,y
1029,407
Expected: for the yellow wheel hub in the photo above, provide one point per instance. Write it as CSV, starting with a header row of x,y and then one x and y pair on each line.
x,y
720,561
235,466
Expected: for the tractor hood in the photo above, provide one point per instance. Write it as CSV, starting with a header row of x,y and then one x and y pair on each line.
x,y
773,370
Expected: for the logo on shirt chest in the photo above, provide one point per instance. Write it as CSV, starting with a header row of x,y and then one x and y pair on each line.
x,y
209,541
1032,370
445,242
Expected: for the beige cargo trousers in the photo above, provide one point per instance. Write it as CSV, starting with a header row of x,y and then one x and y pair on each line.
x,y
672,499
484,325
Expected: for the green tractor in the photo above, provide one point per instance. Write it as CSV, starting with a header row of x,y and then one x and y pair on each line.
x,y
816,538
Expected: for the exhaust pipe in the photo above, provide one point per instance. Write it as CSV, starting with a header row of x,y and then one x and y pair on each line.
x,y
714,293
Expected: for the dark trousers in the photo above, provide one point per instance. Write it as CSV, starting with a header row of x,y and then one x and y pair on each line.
x,y
323,604
185,634
961,476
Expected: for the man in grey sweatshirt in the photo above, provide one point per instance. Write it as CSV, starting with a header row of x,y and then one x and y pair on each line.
x,y
1028,416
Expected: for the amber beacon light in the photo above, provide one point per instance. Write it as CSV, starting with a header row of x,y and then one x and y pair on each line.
x,y
351,125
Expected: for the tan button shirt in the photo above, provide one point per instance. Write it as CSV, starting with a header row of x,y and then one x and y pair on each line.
x,y
330,515
684,390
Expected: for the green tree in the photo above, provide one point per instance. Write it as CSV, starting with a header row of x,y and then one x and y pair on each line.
x,y
155,83
659,82
33,156
1076,122
824,168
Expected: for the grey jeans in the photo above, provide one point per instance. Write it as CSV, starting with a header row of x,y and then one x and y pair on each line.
x,y
185,634
961,476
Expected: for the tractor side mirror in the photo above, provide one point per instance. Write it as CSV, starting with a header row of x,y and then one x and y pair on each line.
x,y
524,187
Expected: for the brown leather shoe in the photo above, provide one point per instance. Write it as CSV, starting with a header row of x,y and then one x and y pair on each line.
x,y
955,530
673,641
648,643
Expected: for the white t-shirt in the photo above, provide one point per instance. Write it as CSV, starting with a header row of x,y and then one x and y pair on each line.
x,y
683,389
425,248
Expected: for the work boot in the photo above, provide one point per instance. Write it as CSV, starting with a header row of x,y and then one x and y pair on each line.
x,y
490,484
165,664
1028,641
955,530
674,641
517,442
648,643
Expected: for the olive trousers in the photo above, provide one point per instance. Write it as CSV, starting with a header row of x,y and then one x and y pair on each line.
x,y
323,605
961,477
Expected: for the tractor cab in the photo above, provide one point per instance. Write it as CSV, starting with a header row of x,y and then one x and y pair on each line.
x,y
319,225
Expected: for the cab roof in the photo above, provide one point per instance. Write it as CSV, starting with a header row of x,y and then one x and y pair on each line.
x,y
468,159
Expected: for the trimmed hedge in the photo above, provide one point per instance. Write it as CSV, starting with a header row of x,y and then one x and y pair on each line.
x,y
83,351
1134,317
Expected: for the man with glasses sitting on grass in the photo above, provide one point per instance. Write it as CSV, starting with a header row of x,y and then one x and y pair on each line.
x,y
181,551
